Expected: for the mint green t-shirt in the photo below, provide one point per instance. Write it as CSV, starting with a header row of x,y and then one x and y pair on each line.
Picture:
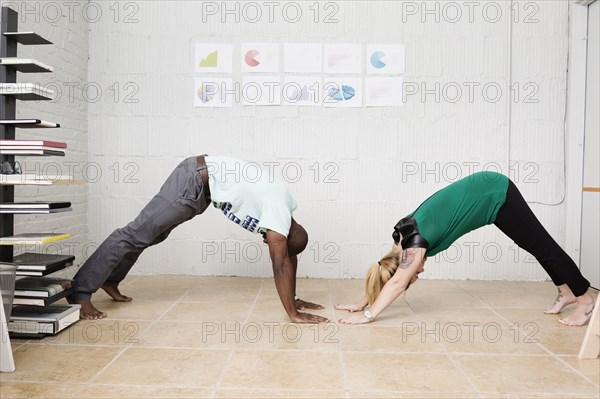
x,y
463,206
249,196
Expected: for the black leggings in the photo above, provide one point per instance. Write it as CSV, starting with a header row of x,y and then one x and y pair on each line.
x,y
518,222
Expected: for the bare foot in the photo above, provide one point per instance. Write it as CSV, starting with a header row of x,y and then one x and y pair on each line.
x,y
116,294
87,311
582,313
565,297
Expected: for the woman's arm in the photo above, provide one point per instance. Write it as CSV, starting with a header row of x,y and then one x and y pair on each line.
x,y
355,307
411,262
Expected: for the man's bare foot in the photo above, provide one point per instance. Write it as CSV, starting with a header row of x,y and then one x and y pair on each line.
x,y
116,294
87,311
582,313
565,297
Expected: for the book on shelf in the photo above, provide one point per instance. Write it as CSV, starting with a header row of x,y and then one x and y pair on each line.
x,y
36,301
26,321
28,123
42,287
40,261
37,143
33,179
32,151
36,204
45,272
33,238
34,210
32,261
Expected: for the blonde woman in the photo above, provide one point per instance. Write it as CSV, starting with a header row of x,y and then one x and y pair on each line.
x,y
468,204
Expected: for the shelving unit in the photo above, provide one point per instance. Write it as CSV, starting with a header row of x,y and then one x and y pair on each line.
x,y
10,92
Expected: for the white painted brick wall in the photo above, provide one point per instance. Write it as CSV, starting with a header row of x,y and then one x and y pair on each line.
x,y
68,55
349,221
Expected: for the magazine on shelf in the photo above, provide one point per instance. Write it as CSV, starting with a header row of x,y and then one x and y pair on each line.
x,y
35,204
37,301
33,238
36,143
33,210
42,287
28,123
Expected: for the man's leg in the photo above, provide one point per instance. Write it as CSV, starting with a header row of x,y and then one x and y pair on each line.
x,y
517,221
180,198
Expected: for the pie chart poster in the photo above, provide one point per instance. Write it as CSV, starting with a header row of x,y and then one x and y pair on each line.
x,y
259,57
385,59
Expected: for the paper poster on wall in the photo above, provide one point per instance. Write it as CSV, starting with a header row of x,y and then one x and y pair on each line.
x,y
213,57
342,92
213,92
303,58
384,59
260,57
342,58
261,90
302,90
383,92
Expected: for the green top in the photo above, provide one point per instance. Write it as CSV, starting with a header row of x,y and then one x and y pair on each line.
x,y
463,206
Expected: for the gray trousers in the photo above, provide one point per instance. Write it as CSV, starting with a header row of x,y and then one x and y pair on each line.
x,y
180,198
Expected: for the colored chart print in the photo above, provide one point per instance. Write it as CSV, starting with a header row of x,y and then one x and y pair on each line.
x,y
215,57
385,59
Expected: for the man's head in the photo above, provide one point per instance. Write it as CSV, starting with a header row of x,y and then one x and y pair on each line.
x,y
297,239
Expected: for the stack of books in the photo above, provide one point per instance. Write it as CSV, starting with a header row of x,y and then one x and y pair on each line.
x,y
36,264
35,322
34,207
32,147
40,291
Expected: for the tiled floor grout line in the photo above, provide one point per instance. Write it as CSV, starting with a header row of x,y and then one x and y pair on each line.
x,y
126,347
114,359
345,387
230,354
450,356
552,354
212,390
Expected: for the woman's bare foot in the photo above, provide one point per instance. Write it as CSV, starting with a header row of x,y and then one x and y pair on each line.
x,y
582,313
87,311
116,294
565,297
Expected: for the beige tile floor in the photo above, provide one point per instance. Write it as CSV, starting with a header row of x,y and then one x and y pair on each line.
x,y
227,337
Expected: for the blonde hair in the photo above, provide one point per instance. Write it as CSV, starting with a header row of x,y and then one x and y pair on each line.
x,y
380,273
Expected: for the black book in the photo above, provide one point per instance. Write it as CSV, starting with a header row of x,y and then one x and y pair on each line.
x,y
36,264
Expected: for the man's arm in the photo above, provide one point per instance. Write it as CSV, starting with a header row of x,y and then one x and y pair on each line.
x,y
283,273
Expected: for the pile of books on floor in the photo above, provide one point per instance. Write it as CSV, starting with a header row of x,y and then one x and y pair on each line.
x,y
34,315
32,147
38,322
35,207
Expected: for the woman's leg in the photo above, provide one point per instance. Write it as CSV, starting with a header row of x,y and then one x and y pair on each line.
x,y
519,223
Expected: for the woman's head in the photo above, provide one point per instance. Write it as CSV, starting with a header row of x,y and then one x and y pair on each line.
x,y
380,273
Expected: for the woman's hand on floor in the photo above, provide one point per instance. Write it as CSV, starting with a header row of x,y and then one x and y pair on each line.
x,y
349,307
355,319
